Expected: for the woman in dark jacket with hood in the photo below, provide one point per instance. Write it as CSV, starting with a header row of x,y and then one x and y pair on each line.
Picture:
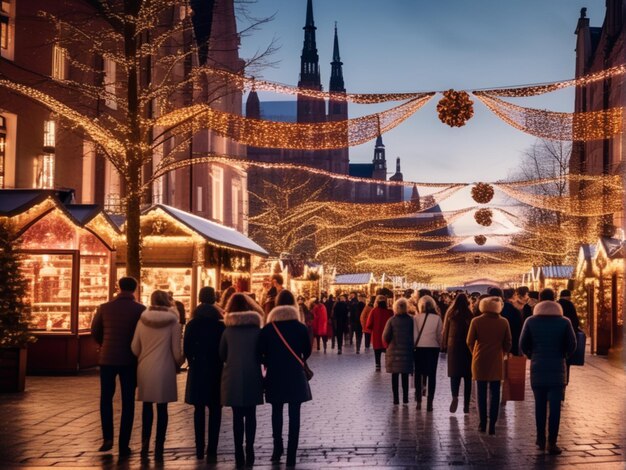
x,y
548,339
242,382
285,381
201,346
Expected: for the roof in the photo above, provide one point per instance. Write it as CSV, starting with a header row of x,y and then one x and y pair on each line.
x,y
614,247
361,170
589,251
359,278
558,272
212,231
83,212
15,201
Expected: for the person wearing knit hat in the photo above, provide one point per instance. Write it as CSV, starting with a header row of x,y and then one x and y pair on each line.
x,y
489,339
548,339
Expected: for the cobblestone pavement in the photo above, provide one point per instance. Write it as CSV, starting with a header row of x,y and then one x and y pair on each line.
x,y
351,423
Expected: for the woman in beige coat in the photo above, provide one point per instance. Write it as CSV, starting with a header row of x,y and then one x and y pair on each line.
x,y
489,339
158,349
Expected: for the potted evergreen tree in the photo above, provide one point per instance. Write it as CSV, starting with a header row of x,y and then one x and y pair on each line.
x,y
14,314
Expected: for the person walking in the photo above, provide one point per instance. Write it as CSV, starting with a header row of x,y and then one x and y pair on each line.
x,y
548,339
113,327
398,336
364,316
242,381
306,317
376,322
569,312
489,339
320,323
201,346
340,321
455,328
283,344
157,345
355,321
427,344
330,333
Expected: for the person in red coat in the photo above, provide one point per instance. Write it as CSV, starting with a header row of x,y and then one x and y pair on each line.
x,y
320,323
376,323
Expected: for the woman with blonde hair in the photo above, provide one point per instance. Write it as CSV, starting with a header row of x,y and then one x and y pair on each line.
x,y
376,322
398,336
242,382
427,341
157,345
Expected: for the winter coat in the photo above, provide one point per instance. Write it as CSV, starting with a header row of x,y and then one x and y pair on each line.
x,y
242,381
516,320
340,317
157,346
431,334
355,316
569,312
454,341
489,338
365,314
376,324
548,339
320,320
285,381
113,328
398,335
201,346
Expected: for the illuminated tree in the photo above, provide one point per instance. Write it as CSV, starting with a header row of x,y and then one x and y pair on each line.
x,y
162,66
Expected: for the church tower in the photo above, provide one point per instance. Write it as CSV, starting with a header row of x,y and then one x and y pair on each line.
x,y
310,109
338,109
380,171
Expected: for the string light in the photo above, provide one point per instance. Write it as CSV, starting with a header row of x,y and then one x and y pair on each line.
x,y
592,125
455,108
483,217
482,193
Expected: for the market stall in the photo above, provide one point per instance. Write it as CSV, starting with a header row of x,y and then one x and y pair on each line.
x,y
183,252
360,282
68,252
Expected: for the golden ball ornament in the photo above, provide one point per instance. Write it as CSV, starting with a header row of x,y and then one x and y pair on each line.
x,y
455,108
483,217
482,193
480,240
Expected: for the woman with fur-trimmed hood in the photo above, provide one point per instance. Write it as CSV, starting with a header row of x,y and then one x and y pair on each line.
x,y
285,381
548,339
398,336
242,381
157,345
489,339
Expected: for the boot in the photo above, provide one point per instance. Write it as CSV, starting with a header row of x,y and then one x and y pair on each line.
x,y
291,456
249,455
429,404
145,447
158,451
454,405
553,449
240,460
492,428
278,450
466,404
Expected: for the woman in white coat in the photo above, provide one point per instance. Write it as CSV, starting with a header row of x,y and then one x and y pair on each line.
x,y
158,349
427,341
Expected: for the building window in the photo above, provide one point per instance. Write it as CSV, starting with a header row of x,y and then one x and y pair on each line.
x,y
49,135
199,206
236,206
7,16
380,191
109,83
3,147
217,179
46,179
59,59
4,32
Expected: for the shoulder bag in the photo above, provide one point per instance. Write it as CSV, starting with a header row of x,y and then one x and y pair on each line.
x,y
419,335
307,370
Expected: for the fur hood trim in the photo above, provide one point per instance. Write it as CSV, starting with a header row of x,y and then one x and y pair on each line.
x,y
158,318
283,313
249,318
491,305
548,308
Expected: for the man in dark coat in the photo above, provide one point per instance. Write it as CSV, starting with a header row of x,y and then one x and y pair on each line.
x,y
340,320
547,339
201,346
113,328
355,320
569,312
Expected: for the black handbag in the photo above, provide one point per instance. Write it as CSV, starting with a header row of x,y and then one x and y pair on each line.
x,y
578,358
307,370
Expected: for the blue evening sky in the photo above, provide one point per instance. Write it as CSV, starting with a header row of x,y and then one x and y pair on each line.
x,y
417,45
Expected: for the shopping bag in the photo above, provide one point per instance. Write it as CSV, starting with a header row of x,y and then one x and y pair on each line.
x,y
578,358
514,378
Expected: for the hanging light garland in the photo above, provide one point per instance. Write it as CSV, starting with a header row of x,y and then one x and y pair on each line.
x,y
455,108
483,217
482,193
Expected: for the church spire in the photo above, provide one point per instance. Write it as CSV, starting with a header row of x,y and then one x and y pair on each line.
x,y
336,73
309,60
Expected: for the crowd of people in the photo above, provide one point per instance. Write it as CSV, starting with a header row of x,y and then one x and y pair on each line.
x,y
242,353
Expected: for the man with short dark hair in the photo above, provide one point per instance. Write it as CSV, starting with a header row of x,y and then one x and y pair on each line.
x,y
522,302
113,328
546,294
277,283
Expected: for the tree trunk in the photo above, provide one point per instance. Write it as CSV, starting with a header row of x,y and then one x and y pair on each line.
x,y
133,235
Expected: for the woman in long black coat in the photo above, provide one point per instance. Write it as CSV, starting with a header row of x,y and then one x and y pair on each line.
x,y
201,346
285,381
